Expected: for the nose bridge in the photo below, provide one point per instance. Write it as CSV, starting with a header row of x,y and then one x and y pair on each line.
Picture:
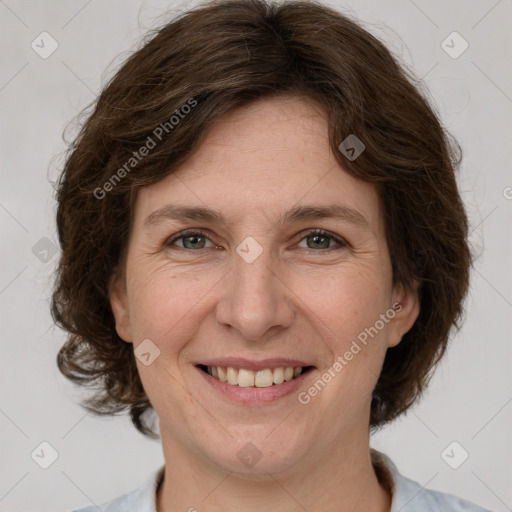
x,y
253,268
255,299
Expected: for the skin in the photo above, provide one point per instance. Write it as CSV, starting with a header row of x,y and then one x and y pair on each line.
x,y
301,298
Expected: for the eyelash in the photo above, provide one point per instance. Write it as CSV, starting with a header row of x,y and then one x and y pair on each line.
x,y
319,232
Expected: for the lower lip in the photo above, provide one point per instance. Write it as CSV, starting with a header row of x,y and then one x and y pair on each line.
x,y
253,395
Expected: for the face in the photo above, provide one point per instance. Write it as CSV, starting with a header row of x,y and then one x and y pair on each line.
x,y
257,291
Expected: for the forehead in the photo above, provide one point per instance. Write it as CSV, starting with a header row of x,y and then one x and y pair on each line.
x,y
261,161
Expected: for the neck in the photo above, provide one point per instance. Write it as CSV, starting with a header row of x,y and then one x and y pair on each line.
x,y
342,480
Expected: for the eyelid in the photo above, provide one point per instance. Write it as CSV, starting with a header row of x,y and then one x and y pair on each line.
x,y
188,232
323,232
303,234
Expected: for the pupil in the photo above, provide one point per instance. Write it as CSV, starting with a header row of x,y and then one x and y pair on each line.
x,y
194,239
316,237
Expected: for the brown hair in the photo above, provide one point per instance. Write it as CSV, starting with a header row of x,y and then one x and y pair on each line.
x,y
223,55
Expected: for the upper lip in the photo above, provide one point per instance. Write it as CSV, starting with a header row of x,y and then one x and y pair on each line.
x,y
251,364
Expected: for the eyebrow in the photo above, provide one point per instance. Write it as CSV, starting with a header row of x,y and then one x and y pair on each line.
x,y
296,214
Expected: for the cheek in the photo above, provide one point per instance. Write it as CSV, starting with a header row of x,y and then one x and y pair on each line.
x,y
349,308
345,303
163,304
162,309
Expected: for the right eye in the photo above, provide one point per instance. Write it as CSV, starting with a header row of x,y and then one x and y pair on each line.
x,y
196,240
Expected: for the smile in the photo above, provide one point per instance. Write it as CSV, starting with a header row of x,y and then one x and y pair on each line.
x,y
263,378
246,381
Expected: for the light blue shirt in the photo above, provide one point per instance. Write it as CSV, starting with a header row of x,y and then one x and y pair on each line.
x,y
407,495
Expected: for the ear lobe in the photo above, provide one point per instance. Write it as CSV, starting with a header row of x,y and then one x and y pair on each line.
x,y
405,314
119,304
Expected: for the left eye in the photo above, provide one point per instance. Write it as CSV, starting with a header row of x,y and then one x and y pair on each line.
x,y
197,239
320,234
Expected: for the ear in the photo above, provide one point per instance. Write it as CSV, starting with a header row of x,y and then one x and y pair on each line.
x,y
119,304
406,312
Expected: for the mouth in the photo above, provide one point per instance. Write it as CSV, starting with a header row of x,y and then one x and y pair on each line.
x,y
249,378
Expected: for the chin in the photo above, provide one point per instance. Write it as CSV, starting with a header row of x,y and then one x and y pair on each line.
x,y
257,452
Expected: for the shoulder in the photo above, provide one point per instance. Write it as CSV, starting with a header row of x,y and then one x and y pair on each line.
x,y
416,498
410,496
141,500
122,503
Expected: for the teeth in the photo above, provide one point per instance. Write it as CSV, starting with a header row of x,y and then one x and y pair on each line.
x,y
288,374
245,378
278,375
232,376
222,374
248,378
264,378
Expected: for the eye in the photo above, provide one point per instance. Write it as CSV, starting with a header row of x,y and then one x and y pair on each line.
x,y
191,240
322,239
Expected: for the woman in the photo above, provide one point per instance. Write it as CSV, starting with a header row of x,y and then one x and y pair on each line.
x,y
263,242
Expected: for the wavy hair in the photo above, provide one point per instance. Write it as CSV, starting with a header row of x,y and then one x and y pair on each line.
x,y
224,54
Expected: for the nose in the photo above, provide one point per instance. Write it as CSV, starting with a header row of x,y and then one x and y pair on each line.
x,y
255,298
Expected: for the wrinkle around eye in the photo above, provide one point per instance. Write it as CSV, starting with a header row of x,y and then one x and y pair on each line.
x,y
172,244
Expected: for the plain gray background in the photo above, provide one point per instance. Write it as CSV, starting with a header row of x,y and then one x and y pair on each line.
x,y
470,397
